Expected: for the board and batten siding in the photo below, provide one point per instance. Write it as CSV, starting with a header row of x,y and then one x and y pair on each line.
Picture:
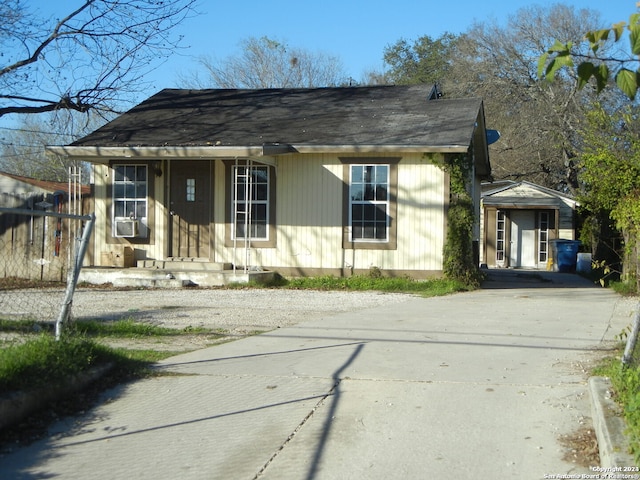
x,y
309,218
155,245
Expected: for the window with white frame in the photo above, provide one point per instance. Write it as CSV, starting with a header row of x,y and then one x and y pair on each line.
x,y
543,239
500,235
191,190
130,202
369,203
251,202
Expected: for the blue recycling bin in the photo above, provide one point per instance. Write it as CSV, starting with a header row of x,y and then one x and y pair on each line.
x,y
566,254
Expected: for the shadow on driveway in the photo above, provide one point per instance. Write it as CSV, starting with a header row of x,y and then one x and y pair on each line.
x,y
507,278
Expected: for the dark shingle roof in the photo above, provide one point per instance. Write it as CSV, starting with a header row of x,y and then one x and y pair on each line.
x,y
380,115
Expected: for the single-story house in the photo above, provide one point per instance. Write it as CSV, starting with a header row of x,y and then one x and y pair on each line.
x,y
520,220
298,181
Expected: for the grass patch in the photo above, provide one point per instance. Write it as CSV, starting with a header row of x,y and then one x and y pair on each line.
x,y
128,328
42,360
626,288
625,383
37,359
374,281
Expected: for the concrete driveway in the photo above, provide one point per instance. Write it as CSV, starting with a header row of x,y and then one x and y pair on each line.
x,y
471,386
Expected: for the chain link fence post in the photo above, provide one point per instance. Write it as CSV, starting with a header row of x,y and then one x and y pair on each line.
x,y
632,339
74,272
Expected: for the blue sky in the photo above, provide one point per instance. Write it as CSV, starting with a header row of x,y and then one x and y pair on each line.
x,y
354,31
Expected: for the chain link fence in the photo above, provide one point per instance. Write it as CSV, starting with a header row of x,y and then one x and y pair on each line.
x,y
41,254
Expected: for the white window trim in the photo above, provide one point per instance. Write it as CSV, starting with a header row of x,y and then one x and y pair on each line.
x,y
386,202
143,228
545,218
235,201
502,250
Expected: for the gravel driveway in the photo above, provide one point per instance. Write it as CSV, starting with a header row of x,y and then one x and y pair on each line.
x,y
237,311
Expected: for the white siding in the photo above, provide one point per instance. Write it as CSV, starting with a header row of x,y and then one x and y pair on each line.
x,y
102,178
310,214
309,217
102,235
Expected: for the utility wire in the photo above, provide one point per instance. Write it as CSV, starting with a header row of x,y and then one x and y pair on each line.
x,y
24,130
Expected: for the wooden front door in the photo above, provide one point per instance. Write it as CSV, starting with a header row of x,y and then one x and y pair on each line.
x,y
191,208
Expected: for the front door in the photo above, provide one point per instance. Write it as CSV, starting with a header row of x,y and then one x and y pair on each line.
x,y
190,208
523,239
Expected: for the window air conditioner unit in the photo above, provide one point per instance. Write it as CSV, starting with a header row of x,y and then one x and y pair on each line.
x,y
126,228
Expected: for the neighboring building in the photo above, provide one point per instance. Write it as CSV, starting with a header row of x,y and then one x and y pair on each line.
x,y
300,181
520,221
32,247
17,190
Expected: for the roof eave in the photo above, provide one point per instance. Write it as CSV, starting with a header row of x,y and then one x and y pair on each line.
x,y
104,154
380,148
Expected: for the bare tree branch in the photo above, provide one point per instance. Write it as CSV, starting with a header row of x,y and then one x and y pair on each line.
x,y
268,63
91,59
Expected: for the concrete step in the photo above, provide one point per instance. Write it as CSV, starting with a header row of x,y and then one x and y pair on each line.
x,y
169,278
179,263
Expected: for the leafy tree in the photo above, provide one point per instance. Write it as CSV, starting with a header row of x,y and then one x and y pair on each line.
x,y
538,120
610,165
596,64
89,59
268,63
375,77
498,63
427,60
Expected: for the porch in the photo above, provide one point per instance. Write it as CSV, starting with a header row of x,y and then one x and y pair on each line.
x,y
173,273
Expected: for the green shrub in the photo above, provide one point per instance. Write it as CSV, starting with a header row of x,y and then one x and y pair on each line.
x,y
625,381
624,287
43,360
459,261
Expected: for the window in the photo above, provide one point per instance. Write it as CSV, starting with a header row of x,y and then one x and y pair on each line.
x,y
130,186
543,240
369,197
370,209
250,202
191,190
500,235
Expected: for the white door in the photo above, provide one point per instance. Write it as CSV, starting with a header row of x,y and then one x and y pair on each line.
x,y
523,239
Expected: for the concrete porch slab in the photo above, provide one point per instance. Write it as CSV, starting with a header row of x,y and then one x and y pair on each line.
x,y
169,278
